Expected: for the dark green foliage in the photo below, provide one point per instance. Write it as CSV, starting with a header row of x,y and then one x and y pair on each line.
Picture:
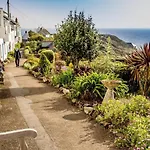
x,y
45,65
49,54
77,38
89,87
65,78
122,90
138,62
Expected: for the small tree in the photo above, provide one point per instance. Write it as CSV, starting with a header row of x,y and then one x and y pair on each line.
x,y
76,37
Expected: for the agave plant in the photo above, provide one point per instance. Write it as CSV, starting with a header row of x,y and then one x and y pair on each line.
x,y
139,62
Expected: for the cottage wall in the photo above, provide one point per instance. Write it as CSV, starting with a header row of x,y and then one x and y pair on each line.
x,y
10,34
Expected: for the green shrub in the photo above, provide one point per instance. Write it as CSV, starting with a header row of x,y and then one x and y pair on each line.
x,y
136,135
130,122
105,64
49,54
31,62
65,78
89,87
28,48
45,65
34,61
27,65
11,55
26,53
139,105
33,45
113,113
36,37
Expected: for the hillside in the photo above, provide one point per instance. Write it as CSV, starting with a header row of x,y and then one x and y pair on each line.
x,y
118,46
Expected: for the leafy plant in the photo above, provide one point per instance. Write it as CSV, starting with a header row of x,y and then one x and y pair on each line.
x,y
65,78
89,87
49,54
77,38
11,55
139,61
136,135
130,122
58,65
27,65
26,53
113,113
33,45
45,65
139,105
82,70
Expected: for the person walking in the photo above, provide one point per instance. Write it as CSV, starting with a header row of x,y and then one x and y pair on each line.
x,y
17,56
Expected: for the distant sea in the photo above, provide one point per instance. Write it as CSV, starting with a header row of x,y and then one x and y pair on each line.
x,y
135,36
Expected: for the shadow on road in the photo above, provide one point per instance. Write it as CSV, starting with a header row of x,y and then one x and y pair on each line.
x,y
25,91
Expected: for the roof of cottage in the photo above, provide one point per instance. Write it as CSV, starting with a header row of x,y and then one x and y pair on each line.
x,y
43,31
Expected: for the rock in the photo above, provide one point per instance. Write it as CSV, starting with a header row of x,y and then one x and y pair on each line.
x,y
57,86
88,110
74,100
60,89
65,91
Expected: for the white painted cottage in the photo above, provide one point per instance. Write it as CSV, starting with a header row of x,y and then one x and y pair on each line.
x,y
10,34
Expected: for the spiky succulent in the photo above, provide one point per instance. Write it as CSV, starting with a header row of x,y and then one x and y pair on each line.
x,y
139,63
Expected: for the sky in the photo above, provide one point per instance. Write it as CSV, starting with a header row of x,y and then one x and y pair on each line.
x,y
105,13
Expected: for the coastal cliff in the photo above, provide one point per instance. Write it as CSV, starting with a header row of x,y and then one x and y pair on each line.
x,y
119,47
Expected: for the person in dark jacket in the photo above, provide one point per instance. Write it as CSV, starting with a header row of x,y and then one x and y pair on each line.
x,y
17,56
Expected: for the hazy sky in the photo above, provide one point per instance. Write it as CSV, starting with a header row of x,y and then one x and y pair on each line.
x,y
105,13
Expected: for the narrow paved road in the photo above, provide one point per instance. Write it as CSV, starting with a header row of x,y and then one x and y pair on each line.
x,y
60,126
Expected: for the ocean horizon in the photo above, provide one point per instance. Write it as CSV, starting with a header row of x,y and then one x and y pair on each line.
x,y
136,36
